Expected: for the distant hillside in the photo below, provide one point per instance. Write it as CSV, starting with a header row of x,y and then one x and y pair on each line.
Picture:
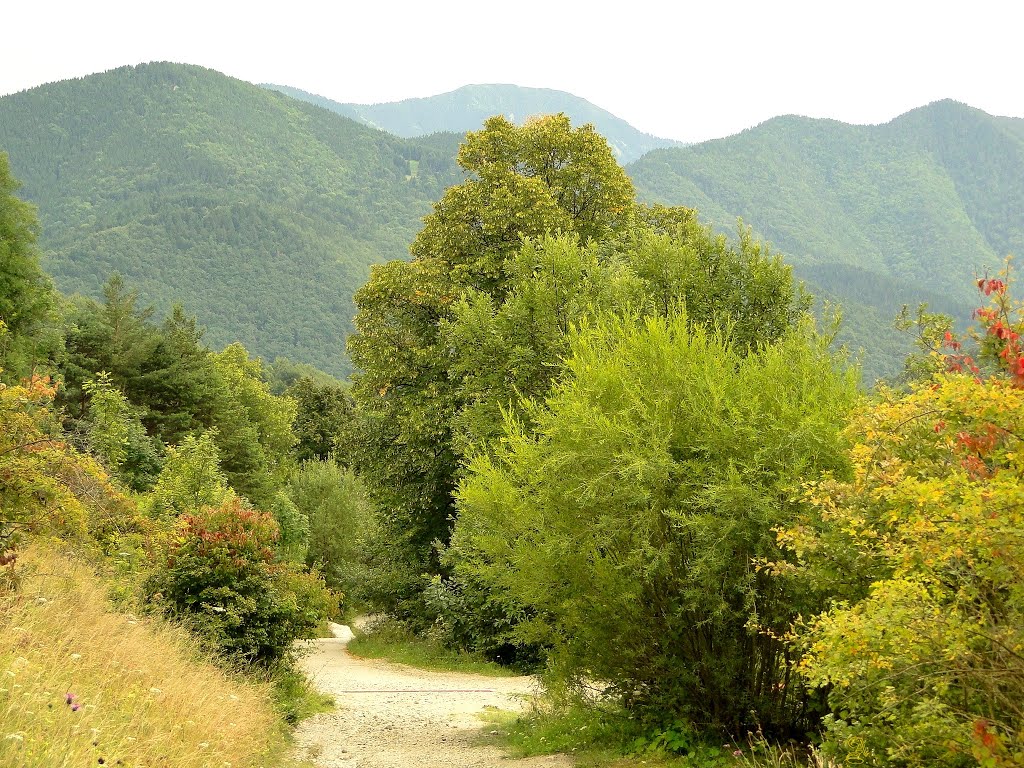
x,y
871,216
466,108
261,214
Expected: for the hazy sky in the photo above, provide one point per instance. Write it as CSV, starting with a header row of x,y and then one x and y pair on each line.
x,y
684,70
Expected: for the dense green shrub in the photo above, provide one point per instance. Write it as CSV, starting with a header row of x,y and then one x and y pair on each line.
x,y
221,576
626,522
336,511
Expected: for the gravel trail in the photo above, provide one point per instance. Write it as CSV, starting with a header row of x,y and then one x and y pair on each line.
x,y
394,716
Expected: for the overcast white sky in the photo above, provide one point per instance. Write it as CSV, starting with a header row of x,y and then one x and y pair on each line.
x,y
683,70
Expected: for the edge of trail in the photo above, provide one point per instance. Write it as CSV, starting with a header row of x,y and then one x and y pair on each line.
x,y
395,716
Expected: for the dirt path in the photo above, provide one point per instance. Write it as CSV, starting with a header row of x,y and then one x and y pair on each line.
x,y
394,716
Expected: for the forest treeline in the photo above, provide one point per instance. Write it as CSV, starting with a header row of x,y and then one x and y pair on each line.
x,y
259,213
204,479
587,436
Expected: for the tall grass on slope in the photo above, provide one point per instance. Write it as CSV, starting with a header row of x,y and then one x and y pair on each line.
x,y
82,685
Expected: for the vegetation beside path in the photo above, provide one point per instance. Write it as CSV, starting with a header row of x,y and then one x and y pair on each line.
x,y
392,641
84,684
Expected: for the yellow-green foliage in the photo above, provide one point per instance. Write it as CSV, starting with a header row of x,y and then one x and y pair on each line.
x,y
46,486
925,655
80,683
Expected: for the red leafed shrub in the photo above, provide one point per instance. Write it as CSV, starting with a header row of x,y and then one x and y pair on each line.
x,y
222,577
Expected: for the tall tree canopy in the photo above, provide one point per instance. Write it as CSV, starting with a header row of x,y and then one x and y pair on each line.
x,y
25,293
543,234
524,181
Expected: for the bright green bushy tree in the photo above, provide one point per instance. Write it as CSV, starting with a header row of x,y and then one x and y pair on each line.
x,y
626,522
191,478
334,504
254,428
117,436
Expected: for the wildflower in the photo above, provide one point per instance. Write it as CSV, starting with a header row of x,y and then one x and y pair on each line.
x,y
76,656
737,753
155,690
15,737
204,744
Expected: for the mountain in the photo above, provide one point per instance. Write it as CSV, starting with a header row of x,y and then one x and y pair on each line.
x,y
262,214
466,108
870,216
259,213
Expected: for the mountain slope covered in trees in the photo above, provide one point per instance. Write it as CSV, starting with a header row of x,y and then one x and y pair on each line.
x,y
262,214
870,216
466,108
259,213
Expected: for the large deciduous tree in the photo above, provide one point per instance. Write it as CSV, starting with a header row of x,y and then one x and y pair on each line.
x,y
524,181
544,235
25,292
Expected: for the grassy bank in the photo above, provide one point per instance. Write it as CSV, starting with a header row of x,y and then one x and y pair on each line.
x,y
81,684
391,641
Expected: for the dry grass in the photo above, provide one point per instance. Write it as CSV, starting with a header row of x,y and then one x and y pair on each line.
x,y
81,684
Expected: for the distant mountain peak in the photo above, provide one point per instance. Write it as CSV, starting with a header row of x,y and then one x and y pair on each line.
x,y
466,108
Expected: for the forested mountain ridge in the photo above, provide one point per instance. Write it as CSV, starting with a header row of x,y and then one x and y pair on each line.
x,y
259,213
262,214
871,216
466,108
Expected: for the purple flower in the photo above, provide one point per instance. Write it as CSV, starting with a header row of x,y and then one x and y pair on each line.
x,y
72,701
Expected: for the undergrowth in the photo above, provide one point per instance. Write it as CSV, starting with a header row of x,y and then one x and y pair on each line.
x,y
294,697
392,641
602,736
81,684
